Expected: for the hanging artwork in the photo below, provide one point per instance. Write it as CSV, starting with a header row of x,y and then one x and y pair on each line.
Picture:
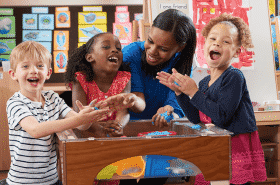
x,y
204,10
60,61
61,40
7,26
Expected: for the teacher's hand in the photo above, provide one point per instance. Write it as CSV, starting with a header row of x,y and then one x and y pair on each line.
x,y
159,120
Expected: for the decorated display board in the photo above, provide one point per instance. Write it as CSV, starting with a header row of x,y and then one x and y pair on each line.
x,y
60,29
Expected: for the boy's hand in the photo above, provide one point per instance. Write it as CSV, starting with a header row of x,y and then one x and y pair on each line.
x,y
185,83
91,113
159,120
166,79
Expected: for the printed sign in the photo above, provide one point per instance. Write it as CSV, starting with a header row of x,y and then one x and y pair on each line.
x,y
62,19
61,40
46,21
7,26
92,18
60,61
30,21
85,32
7,45
36,35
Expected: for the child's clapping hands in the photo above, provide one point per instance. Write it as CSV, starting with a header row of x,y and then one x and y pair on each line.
x,y
178,83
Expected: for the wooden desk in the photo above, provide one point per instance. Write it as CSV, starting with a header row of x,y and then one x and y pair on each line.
x,y
82,158
269,131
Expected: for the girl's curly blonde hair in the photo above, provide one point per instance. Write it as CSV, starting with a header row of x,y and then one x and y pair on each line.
x,y
244,35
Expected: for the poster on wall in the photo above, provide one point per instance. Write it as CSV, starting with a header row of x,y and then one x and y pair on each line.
x,y
63,19
204,11
85,32
123,31
7,26
36,35
92,18
7,45
60,61
61,40
30,21
46,21
47,45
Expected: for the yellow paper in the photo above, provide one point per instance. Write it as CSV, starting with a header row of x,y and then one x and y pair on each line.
x,y
92,18
85,32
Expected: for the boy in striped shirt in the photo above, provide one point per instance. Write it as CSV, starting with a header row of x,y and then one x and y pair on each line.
x,y
35,115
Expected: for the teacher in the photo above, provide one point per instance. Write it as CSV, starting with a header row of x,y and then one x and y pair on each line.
x,y
171,43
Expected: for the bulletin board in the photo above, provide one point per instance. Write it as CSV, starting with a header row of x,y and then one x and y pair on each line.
x,y
73,29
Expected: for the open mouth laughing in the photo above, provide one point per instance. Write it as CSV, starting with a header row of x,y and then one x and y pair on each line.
x,y
113,59
214,55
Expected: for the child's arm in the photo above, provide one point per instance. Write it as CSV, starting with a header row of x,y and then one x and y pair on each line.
x,y
78,94
183,100
134,101
73,120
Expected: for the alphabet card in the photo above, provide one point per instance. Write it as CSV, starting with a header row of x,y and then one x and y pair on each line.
x,y
7,26
85,32
61,40
7,45
60,61
30,21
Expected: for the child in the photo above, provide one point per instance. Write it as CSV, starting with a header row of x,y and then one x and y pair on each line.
x,y
33,117
96,71
222,98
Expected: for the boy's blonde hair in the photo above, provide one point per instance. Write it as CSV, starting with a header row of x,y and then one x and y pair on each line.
x,y
30,49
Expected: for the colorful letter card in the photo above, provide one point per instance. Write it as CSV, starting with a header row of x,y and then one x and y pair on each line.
x,y
85,32
7,26
36,35
123,32
62,19
92,18
30,21
7,45
46,21
40,10
60,61
61,40
47,45
6,11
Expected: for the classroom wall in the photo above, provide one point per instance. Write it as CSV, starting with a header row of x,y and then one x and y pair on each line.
x,y
67,2
261,80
